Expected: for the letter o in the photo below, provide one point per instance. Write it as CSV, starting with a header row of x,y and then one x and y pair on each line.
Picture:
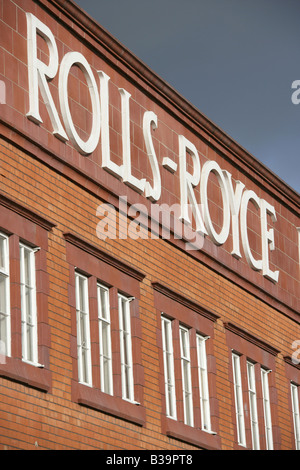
x,y
70,59
218,238
248,196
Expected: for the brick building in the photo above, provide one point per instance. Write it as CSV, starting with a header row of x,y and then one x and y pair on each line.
x,y
149,266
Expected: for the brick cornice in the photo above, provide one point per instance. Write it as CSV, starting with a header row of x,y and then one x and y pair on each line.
x,y
288,360
104,256
26,213
251,338
190,304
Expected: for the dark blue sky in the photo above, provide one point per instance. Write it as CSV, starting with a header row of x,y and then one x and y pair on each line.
x,y
235,60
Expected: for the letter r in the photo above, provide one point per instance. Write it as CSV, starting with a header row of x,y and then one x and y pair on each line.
x,y
39,73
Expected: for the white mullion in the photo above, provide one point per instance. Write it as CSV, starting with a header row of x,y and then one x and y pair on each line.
x,y
203,383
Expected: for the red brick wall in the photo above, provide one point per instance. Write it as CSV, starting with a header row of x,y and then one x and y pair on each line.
x,y
53,180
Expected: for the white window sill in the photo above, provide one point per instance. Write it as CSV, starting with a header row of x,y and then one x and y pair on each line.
x,y
133,402
209,431
34,364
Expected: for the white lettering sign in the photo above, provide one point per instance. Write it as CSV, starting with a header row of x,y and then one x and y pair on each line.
x,y
236,198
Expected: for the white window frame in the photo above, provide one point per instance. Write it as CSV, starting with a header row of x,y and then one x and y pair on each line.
x,y
5,345
238,396
126,348
296,413
105,338
83,331
169,373
267,408
184,336
253,405
203,383
29,319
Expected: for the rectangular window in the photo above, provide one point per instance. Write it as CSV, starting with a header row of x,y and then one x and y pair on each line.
x,y
168,357
4,297
83,330
126,348
28,304
189,413
253,405
203,383
104,339
186,376
296,416
267,408
109,332
238,395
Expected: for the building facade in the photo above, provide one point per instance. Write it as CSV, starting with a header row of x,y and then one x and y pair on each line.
x,y
149,266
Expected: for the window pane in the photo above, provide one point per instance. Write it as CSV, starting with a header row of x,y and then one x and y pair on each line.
x,y
253,406
3,293
4,298
26,268
126,348
82,306
127,345
2,253
30,341
103,303
83,330
186,376
267,409
28,304
296,415
238,394
104,340
183,343
203,384
168,368
106,374
124,315
3,331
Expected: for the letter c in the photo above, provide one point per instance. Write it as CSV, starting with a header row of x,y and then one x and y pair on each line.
x,y
248,196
